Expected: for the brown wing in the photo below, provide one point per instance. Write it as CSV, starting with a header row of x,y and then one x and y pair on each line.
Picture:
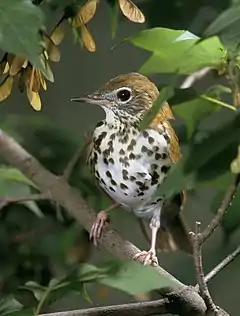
x,y
164,115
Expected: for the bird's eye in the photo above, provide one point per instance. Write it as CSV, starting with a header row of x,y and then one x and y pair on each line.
x,y
124,95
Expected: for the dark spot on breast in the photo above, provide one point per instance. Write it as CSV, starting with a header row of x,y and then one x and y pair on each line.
x,y
98,141
123,186
164,169
154,166
167,138
108,174
125,193
103,182
110,160
141,174
150,140
110,143
131,145
144,149
131,156
97,173
113,136
113,182
99,124
106,152
159,200
139,183
121,152
132,178
145,134
112,189
141,194
157,156
155,148
105,161
164,156
155,177
149,152
95,157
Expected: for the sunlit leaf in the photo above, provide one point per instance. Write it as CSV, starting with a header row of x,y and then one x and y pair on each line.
x,y
34,99
131,11
6,88
178,51
87,39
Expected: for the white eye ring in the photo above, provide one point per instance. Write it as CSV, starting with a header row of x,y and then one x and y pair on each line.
x,y
124,94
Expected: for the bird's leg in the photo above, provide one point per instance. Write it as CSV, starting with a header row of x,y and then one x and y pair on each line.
x,y
149,257
100,222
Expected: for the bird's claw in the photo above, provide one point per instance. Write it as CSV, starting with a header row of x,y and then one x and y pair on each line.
x,y
98,226
148,257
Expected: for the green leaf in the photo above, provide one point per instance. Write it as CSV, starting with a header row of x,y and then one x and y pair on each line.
x,y
20,25
165,94
178,51
215,142
196,109
177,179
235,165
227,27
134,278
13,174
8,305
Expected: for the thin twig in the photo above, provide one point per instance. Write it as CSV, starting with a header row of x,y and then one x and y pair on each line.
x,y
229,196
222,264
197,253
191,79
75,158
15,199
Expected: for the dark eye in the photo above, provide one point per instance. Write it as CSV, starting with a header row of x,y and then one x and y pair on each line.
x,y
124,95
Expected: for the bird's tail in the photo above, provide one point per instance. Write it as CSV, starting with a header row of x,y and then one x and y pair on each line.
x,y
173,234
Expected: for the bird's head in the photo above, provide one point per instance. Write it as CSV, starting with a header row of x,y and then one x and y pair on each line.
x,y
127,96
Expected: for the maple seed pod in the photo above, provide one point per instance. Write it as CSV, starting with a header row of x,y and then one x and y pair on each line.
x,y
59,31
34,99
4,66
52,51
85,13
131,11
6,88
17,64
87,39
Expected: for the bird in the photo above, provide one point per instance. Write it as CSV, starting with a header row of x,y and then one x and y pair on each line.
x,y
130,164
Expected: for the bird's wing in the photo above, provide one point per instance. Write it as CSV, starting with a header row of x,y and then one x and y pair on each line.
x,y
164,115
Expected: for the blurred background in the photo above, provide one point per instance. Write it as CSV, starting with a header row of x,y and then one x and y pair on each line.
x,y
28,245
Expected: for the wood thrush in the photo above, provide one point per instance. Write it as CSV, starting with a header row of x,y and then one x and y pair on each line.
x,y
130,164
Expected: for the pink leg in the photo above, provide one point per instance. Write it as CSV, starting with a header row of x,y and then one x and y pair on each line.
x,y
101,221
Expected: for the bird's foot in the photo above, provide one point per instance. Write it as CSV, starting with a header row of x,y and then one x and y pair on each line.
x,y
148,257
98,226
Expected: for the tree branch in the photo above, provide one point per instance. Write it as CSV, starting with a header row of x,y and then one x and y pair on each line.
x,y
202,285
229,196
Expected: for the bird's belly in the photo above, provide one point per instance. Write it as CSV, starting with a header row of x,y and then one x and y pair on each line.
x,y
129,193
131,176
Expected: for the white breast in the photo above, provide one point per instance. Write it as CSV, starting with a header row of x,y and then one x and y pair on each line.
x,y
130,169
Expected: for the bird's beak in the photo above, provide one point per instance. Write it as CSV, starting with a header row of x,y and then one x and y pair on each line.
x,y
91,99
